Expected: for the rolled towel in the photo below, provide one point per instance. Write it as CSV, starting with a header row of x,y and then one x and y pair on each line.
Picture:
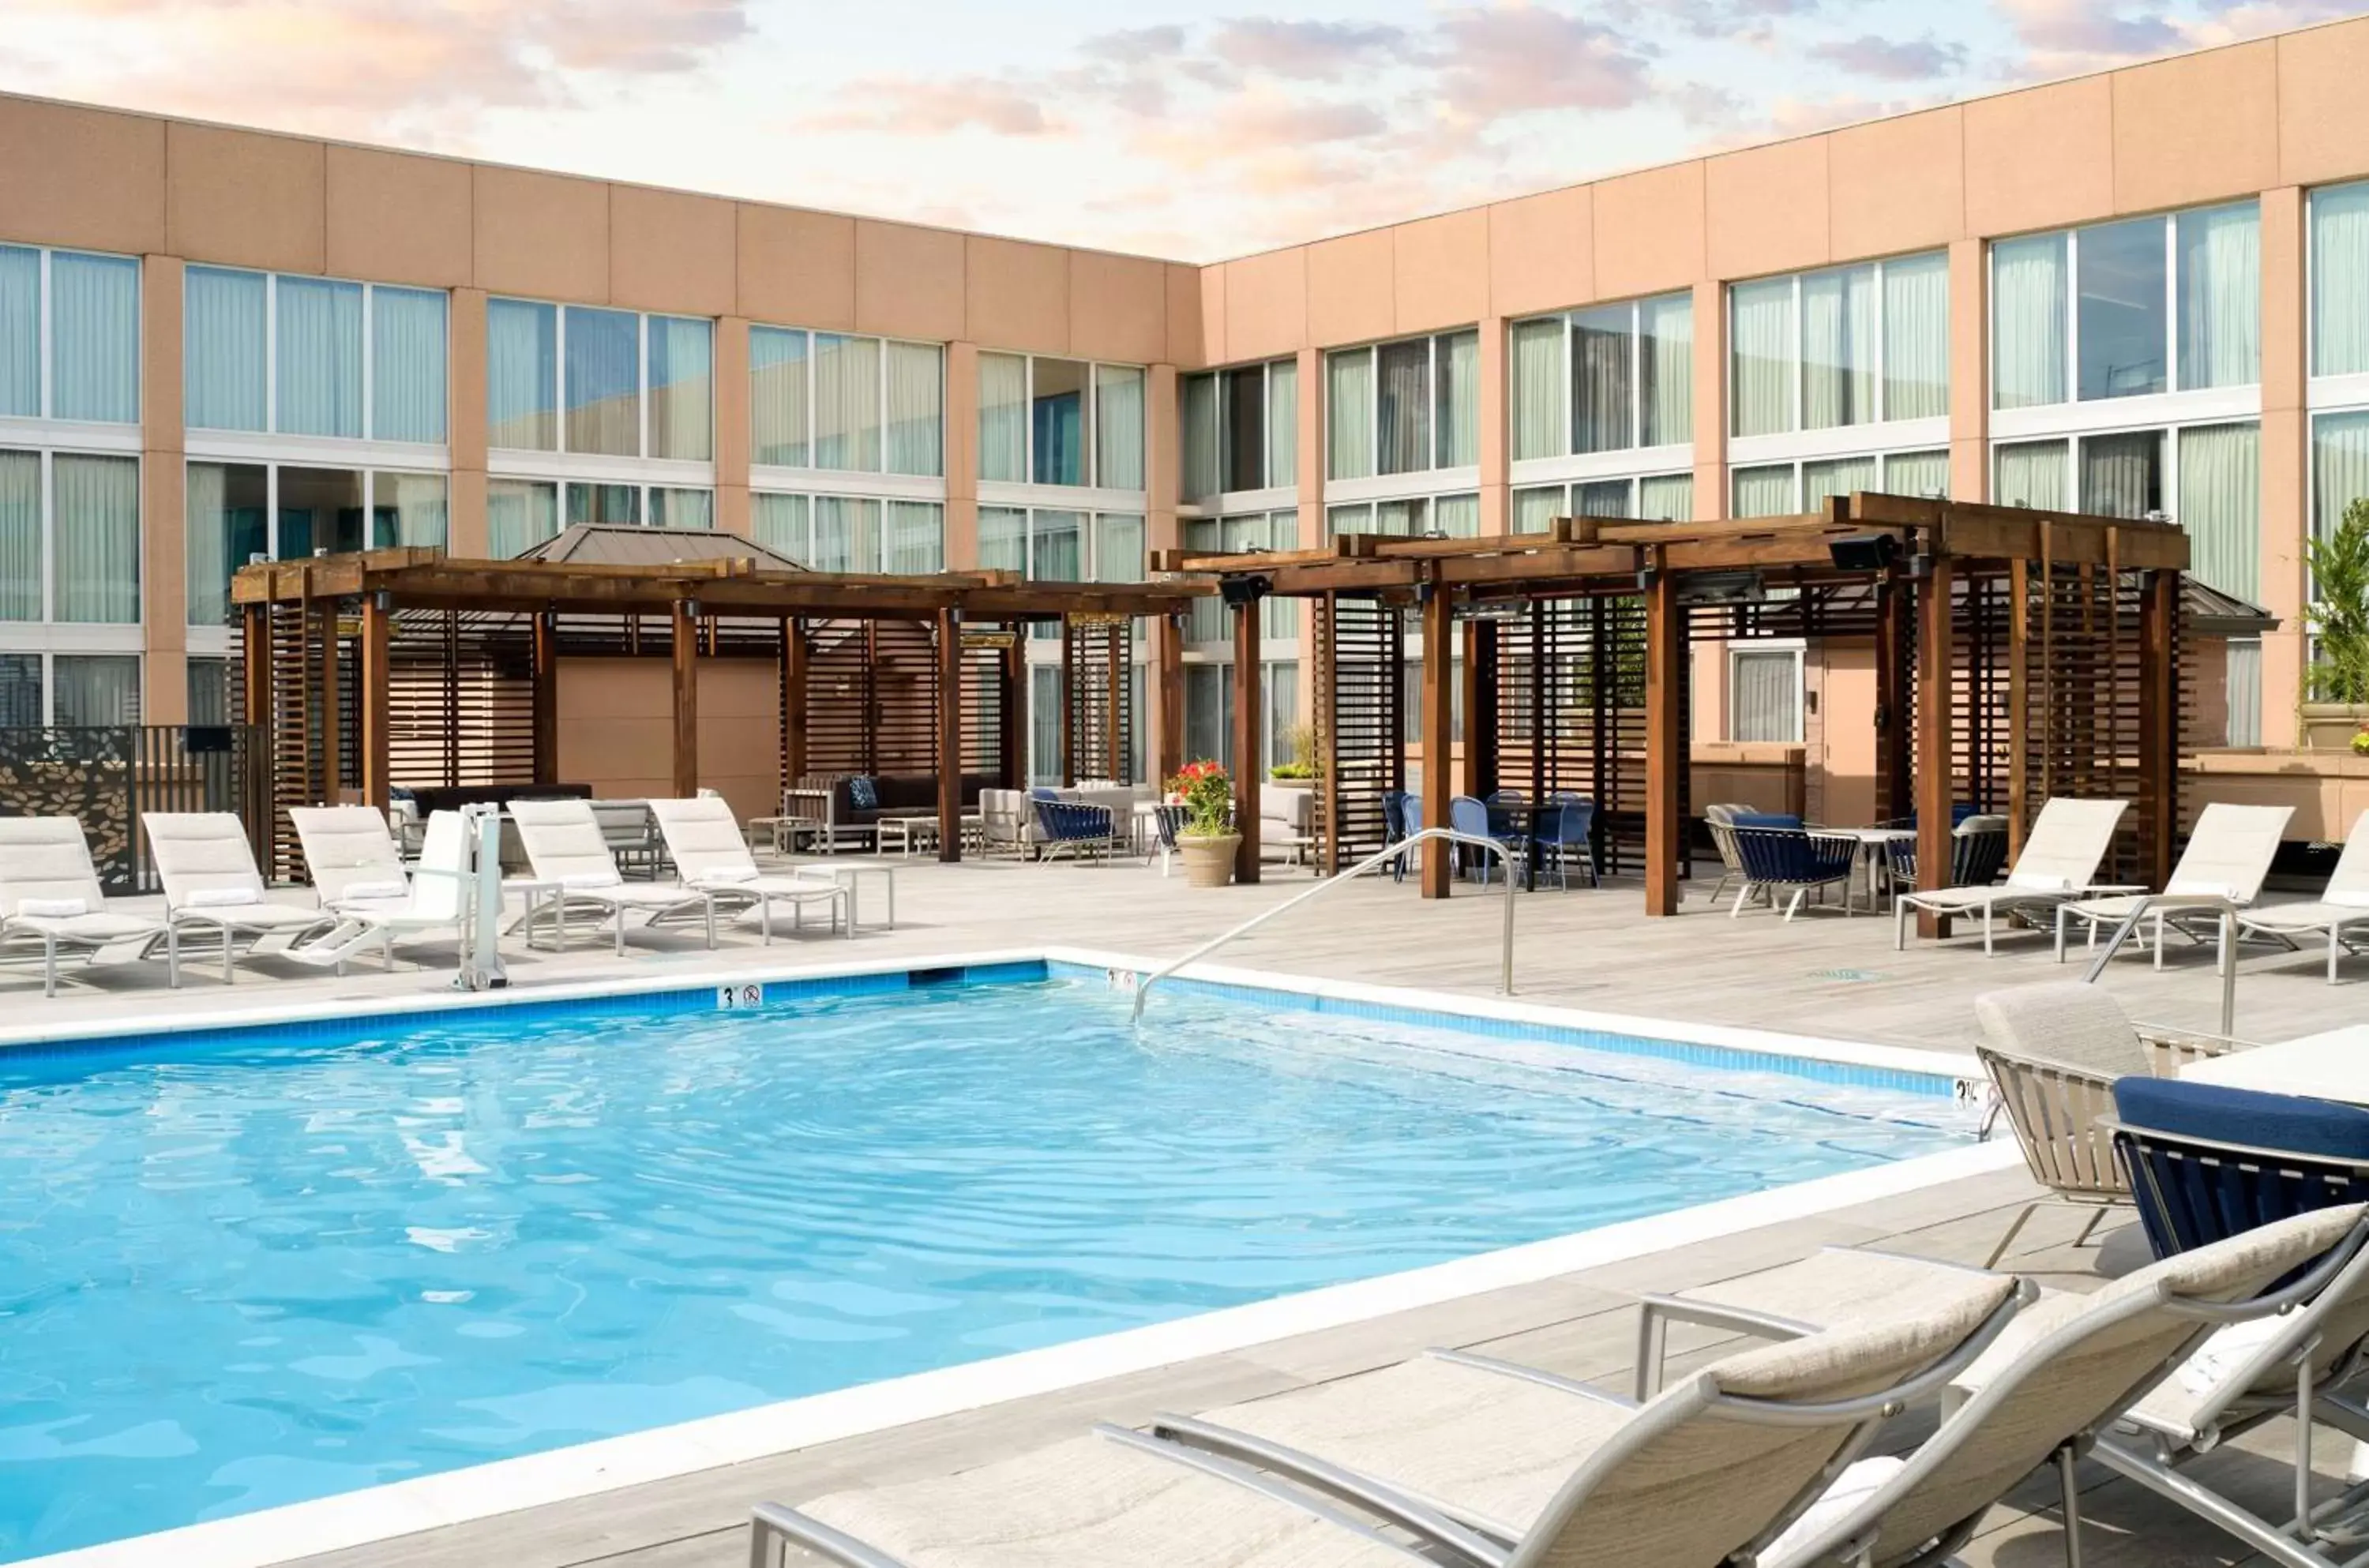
x,y
222,898
586,881
381,891
52,908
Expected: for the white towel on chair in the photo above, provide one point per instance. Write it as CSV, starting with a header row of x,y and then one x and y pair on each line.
x,y
52,908
222,898
2211,1363
727,875
587,880
379,890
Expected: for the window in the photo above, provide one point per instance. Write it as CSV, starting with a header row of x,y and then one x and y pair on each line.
x,y
1208,621
1404,408
580,379
1764,694
313,356
1608,378
70,691
238,512
1061,422
1842,347
2206,477
854,533
2137,308
1240,431
69,336
69,538
1657,498
2340,280
519,514
209,690
1444,517
1778,489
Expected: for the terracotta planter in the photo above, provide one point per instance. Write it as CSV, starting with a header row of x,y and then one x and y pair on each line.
x,y
1208,862
2331,726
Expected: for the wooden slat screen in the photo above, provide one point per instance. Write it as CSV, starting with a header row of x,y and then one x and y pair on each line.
x,y
1097,678
987,705
1360,701
1571,713
872,696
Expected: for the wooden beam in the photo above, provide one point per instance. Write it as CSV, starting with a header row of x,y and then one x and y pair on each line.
x,y
1665,740
1170,756
686,699
793,701
1439,719
949,736
1934,787
1477,769
333,720
255,667
1250,720
2160,722
1069,704
1012,713
1893,722
546,700
2019,706
372,698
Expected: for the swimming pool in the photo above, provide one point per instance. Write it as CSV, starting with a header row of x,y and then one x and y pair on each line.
x,y
244,1268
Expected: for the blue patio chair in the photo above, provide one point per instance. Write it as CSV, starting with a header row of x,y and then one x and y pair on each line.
x,y
1978,854
1167,821
1780,856
1410,824
1471,817
1501,821
2208,1163
1394,830
1569,830
1073,827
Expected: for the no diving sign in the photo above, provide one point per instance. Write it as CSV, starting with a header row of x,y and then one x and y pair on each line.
x,y
733,999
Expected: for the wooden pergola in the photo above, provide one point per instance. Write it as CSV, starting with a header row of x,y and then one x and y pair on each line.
x,y
407,666
2018,654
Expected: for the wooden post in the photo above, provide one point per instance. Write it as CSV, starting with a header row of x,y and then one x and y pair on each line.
x,y
1069,704
1665,739
1478,770
1327,716
1115,703
1934,787
2019,705
2160,722
1437,719
1012,713
378,618
793,702
333,725
686,698
1250,720
546,698
255,658
1171,754
1891,718
949,735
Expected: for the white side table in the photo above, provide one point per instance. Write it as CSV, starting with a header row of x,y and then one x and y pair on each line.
x,y
850,875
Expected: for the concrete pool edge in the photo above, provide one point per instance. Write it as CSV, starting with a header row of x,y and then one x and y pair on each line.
x,y
376,1513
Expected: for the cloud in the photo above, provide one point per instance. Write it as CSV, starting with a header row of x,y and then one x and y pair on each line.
x,y
908,106
1303,51
1916,60
1519,58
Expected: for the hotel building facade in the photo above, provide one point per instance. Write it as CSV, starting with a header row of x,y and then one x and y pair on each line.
x,y
2137,292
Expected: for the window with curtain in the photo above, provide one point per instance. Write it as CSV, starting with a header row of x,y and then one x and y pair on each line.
x,y
20,536
1917,473
226,525
1118,428
916,409
1056,547
1665,497
1402,519
617,506
681,507
847,403
1349,413
1206,621
603,381
1535,349
1458,417
1535,510
1760,369
2339,467
519,514
2029,301
225,379
1243,438
95,511
1765,491
21,332
1119,548
412,509
208,688
318,508
1764,700
1402,407
777,398
1281,612
1665,369
2220,278
1210,712
1601,360
914,538
1835,477
319,342
1279,695
1282,423
1604,498
21,690
94,336
2122,474
1356,516
96,690
1056,422
2031,474
2245,692
1003,417
2220,506
846,535
408,356
1045,727
1003,538
1196,412
1458,517
682,387
1917,337
2340,280
1838,328
522,376
782,522
2120,314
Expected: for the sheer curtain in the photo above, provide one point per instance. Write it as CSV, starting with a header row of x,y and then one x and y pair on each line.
x,y
1605,497
1349,413
1242,430
780,522
846,404
916,542
1003,417
320,352
1458,517
20,536
1536,352
1835,477
21,332
1044,761
1281,611
519,514
1764,492
674,506
224,375
1056,547
1535,510
96,528
1917,473
1458,414
2121,475
777,397
1601,406
94,337
1402,408
412,507
682,387
1837,348
917,404
846,535
406,364
206,573
2220,506
2245,688
522,376
2028,322
1118,427
21,690
1119,548
2340,280
1917,337
603,382
1282,423
1666,498
1197,416
1765,696
97,689
2031,474
2221,296
2339,467
1666,364
1761,367
1003,538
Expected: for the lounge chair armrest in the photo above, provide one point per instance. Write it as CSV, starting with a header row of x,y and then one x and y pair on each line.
x,y
775,1519
1657,1312
2170,1049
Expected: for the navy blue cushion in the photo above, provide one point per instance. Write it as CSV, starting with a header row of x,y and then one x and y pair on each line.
x,y
2287,1122
1765,820
2190,1195
863,794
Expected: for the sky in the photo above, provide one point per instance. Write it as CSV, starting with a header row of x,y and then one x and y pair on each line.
x,y
1190,132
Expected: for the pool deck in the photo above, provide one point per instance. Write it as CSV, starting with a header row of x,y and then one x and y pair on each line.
x,y
1824,974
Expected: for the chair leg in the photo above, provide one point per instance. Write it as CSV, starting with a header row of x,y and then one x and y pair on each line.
x,y
2061,915
1900,924
2069,1487
48,964
2089,1226
1742,893
229,975
2009,1239
173,957
1794,907
2332,945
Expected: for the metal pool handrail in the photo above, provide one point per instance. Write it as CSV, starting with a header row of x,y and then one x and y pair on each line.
x,y
2225,908
1388,852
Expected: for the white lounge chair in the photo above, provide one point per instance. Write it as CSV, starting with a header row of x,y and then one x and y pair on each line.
x,y
212,884
433,896
50,893
704,839
2059,862
2340,913
351,856
2226,858
563,845
1710,1471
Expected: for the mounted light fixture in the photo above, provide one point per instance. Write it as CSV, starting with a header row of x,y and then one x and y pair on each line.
x,y
1239,591
1495,610
1864,552
1722,588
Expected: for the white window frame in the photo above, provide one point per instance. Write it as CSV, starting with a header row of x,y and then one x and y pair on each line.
x,y
1884,460
1634,461
563,466
1090,496
860,483
213,641
881,558
269,443
46,428
49,634
1270,496
1419,484
48,653
1740,648
1872,438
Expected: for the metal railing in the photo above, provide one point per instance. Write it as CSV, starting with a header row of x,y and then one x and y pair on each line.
x,y
1388,852
2148,903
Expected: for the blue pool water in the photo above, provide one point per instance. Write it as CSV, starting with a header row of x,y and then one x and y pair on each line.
x,y
246,1270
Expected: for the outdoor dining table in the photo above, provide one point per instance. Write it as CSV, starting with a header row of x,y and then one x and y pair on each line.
x,y
1871,852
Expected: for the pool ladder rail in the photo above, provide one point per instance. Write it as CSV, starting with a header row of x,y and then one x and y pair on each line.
x,y
1388,852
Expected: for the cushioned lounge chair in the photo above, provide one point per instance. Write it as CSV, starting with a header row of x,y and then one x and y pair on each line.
x,y
1712,1468
212,884
2339,915
2226,858
50,894
704,839
563,845
356,888
2060,859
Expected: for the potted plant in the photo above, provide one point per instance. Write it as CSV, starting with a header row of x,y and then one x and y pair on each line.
x,y
2339,711
1207,843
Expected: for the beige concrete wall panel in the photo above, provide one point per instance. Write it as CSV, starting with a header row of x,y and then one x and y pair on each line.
x,y
732,434
797,268
962,455
161,300
2199,128
2323,114
1018,295
394,218
1648,232
468,537
1118,307
2285,459
465,378
2039,158
908,282
1195,317
1970,395
1351,298
1896,184
244,198
672,252
164,552
81,177
542,236
1711,400
1440,271
1767,208
1541,252
1266,305
1161,437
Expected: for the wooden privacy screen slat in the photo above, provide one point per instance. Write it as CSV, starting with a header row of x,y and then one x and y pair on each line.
x,y
1361,715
